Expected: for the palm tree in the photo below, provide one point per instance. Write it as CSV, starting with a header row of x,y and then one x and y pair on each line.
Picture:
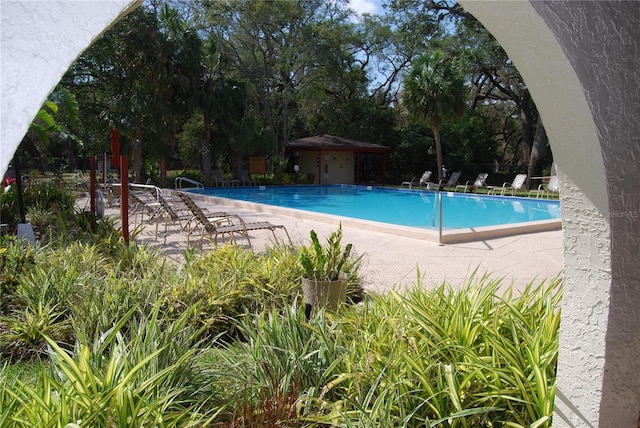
x,y
434,91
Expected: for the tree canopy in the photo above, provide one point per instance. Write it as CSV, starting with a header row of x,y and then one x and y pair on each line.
x,y
205,84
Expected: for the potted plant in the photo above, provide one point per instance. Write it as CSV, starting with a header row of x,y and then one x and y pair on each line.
x,y
326,270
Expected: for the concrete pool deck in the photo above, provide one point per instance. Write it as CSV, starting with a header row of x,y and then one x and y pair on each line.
x,y
393,260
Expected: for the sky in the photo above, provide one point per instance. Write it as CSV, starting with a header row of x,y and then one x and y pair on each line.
x,y
365,6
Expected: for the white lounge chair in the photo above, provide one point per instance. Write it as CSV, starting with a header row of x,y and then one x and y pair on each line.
x,y
424,180
453,181
518,183
409,184
480,181
547,189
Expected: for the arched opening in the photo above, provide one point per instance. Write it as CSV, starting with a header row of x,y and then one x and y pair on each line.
x,y
589,116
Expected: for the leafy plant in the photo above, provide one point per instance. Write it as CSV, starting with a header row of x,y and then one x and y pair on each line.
x,y
14,260
9,210
464,357
50,195
229,281
282,359
326,263
24,331
134,379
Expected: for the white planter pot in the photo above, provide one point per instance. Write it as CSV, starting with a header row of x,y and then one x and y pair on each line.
x,y
325,294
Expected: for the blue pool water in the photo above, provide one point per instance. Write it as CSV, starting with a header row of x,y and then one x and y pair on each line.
x,y
414,208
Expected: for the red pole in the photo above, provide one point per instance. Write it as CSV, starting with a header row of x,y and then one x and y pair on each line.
x,y
124,197
92,186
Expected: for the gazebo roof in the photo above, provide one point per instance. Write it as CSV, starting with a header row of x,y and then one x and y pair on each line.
x,y
332,143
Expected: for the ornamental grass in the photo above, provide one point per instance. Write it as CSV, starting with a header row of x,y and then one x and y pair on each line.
x,y
102,333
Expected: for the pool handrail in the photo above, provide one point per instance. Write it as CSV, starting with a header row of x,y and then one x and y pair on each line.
x,y
179,180
155,189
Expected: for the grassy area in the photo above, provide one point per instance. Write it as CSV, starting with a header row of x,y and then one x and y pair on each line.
x,y
96,332
484,191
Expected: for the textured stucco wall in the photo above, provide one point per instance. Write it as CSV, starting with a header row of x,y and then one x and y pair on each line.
x,y
580,61
40,39
602,42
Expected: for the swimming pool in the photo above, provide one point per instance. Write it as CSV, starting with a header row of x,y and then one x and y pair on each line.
x,y
403,207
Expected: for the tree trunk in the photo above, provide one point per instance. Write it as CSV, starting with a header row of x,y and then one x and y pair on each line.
x,y
163,172
526,114
285,131
71,160
538,151
436,137
205,152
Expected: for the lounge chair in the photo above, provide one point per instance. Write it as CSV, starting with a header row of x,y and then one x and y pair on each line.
x,y
175,211
113,194
480,181
235,224
554,185
245,179
452,182
142,203
423,180
518,183
409,184
220,180
170,215
547,189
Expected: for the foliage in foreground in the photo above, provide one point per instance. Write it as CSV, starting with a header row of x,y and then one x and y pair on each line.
x,y
106,334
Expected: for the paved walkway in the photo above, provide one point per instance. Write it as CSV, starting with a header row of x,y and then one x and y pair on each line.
x,y
393,261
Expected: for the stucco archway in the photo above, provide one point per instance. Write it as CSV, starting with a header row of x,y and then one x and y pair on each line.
x,y
39,41
580,62
579,59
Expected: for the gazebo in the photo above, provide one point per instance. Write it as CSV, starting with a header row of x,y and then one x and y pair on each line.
x,y
326,159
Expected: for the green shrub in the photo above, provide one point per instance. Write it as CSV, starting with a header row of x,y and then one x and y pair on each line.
x,y
263,380
47,289
229,281
468,357
125,378
14,260
192,174
50,195
133,339
468,354
49,206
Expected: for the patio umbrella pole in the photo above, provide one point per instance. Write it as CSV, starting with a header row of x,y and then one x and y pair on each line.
x,y
124,197
18,172
92,187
